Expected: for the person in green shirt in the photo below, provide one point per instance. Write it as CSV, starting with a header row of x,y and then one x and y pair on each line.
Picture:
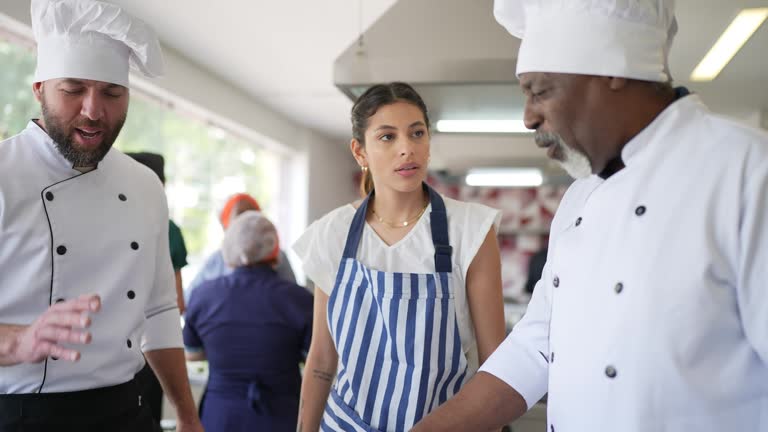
x,y
178,259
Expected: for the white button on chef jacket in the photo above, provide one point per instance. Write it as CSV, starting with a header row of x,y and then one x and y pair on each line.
x,y
64,234
652,310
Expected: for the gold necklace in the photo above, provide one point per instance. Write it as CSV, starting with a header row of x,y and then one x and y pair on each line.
x,y
402,224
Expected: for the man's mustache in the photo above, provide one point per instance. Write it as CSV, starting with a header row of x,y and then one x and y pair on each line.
x,y
546,139
90,124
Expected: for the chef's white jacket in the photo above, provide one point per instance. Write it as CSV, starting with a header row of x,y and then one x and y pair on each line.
x,y
652,310
63,234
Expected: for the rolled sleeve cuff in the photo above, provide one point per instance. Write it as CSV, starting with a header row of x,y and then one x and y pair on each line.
x,y
519,367
162,330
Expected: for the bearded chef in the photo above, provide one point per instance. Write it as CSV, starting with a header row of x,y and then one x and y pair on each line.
x,y
652,310
84,263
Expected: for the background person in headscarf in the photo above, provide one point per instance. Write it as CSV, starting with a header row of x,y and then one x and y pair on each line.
x,y
254,327
215,266
87,282
651,311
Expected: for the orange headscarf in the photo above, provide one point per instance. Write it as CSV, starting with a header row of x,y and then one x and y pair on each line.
x,y
226,212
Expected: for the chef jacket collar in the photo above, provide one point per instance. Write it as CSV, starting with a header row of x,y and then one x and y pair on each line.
x,y
47,149
635,146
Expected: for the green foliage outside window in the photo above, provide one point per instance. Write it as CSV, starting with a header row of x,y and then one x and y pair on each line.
x,y
17,104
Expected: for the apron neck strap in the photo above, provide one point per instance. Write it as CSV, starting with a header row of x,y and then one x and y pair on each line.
x,y
438,223
356,229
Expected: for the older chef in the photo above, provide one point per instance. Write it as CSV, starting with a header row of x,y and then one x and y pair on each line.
x,y
84,263
652,310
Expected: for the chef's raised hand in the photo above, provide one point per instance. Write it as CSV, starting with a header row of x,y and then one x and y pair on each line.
x,y
62,323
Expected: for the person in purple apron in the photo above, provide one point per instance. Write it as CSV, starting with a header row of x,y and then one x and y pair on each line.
x,y
408,300
254,328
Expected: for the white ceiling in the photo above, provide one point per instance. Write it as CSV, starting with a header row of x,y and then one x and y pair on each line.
x,y
279,52
462,43
743,84
283,54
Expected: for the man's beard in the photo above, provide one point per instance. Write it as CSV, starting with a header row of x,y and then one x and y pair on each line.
x,y
574,162
62,136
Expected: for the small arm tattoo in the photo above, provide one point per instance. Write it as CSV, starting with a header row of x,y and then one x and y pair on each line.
x,y
325,376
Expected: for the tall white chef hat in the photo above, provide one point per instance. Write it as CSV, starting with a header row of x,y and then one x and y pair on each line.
x,y
621,38
250,239
89,39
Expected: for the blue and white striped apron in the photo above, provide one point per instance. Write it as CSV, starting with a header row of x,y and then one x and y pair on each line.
x,y
397,337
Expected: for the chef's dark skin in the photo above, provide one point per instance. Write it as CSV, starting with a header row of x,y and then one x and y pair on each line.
x,y
594,115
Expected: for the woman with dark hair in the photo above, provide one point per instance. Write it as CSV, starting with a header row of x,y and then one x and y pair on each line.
x,y
409,282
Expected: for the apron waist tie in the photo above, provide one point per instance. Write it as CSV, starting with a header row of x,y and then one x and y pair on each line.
x,y
256,392
257,399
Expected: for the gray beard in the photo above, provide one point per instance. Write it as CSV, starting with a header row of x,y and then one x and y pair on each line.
x,y
66,146
574,162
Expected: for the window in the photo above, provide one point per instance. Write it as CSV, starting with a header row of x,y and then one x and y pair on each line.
x,y
17,103
204,165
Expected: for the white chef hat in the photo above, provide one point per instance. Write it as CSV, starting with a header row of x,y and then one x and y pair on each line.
x,y
93,40
620,38
250,239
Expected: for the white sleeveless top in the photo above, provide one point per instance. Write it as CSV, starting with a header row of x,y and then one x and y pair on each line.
x,y
322,245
